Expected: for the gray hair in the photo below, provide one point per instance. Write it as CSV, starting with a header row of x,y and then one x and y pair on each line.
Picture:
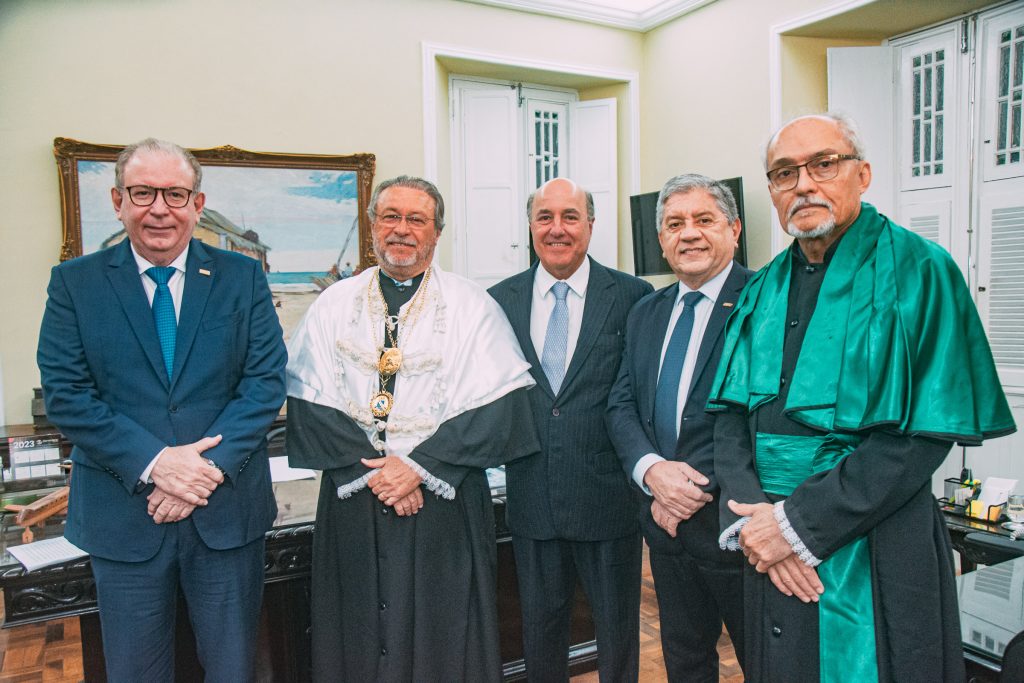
x,y
590,202
154,145
413,183
848,128
688,182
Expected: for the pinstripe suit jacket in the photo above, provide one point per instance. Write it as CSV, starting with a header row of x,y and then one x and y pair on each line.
x,y
574,488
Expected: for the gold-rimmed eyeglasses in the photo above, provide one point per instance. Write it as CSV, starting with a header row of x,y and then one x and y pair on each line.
x,y
825,167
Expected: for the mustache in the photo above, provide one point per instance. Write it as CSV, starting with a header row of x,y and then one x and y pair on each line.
x,y
801,202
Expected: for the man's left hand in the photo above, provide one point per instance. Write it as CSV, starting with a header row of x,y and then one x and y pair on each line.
x,y
665,519
394,479
164,507
761,538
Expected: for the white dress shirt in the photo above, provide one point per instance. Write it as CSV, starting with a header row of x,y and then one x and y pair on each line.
x,y
711,290
544,303
177,286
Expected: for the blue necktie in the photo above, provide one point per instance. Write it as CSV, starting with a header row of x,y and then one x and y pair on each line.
x,y
163,313
666,429
552,360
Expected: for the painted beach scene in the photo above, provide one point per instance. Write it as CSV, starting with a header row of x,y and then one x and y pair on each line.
x,y
301,224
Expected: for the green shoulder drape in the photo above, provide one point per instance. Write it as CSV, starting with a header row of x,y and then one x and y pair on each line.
x,y
895,341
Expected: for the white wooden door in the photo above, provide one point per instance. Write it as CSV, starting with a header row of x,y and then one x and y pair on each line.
x,y
487,191
507,140
594,167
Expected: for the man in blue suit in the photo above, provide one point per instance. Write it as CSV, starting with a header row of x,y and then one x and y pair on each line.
x,y
664,437
570,509
162,361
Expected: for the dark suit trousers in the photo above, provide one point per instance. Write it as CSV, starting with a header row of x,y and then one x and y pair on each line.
x,y
695,595
138,601
610,573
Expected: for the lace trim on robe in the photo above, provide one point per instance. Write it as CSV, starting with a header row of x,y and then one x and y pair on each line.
x,y
730,538
801,550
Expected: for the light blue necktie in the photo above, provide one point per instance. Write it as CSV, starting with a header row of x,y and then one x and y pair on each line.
x,y
552,360
163,313
666,429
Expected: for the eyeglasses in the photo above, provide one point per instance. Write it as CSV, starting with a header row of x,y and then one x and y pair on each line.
x,y
144,195
393,220
825,167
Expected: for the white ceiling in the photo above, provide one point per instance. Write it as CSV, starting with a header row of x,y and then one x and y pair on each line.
x,y
635,15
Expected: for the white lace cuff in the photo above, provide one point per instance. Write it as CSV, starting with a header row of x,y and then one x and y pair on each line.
x,y
730,538
433,484
353,487
801,550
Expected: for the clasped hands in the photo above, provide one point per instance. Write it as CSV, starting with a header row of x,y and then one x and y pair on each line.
x,y
770,553
677,494
183,479
396,484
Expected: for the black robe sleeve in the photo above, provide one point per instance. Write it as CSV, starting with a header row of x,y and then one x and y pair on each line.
x,y
326,439
491,435
883,473
734,464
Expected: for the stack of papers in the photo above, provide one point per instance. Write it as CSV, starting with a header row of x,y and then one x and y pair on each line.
x,y
45,553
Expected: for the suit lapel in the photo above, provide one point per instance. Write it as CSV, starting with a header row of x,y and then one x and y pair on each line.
x,y
520,308
659,323
723,308
123,273
193,302
596,308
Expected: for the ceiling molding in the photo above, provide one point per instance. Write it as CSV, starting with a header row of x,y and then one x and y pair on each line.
x,y
654,14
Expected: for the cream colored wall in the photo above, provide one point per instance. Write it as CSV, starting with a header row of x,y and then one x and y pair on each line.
x,y
319,76
804,66
705,101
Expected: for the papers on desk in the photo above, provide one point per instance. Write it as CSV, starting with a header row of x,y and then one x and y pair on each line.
x,y
41,554
279,471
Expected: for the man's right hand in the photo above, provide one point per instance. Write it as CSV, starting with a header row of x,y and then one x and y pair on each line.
x,y
182,471
676,486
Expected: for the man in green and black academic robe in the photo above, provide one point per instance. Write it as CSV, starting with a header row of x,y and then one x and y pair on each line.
x,y
854,361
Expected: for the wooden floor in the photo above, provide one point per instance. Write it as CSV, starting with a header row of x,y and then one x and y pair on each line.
x,y
53,651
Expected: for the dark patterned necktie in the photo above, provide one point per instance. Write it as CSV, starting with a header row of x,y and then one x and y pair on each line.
x,y
666,429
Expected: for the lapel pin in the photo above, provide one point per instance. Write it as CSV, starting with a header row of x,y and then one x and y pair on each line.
x,y
727,304
204,271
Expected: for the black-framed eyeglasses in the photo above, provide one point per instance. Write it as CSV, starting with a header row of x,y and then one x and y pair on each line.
x,y
393,220
825,167
144,195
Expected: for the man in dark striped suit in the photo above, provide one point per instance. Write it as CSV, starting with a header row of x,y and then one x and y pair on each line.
x,y
571,511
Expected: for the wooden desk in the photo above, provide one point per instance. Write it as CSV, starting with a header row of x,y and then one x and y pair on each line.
x,y
284,647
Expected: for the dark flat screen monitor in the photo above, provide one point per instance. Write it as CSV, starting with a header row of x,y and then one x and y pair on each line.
x,y
647,258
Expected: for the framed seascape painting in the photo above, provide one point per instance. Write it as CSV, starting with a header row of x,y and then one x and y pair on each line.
x,y
303,216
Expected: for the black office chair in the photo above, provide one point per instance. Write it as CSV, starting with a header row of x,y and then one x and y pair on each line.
x,y
985,548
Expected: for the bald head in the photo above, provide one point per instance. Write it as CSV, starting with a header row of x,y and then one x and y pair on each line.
x,y
846,127
561,223
564,184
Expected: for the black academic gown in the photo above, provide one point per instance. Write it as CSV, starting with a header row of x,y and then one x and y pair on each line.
x,y
407,598
885,493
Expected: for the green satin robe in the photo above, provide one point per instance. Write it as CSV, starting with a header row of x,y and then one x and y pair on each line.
x,y
878,351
